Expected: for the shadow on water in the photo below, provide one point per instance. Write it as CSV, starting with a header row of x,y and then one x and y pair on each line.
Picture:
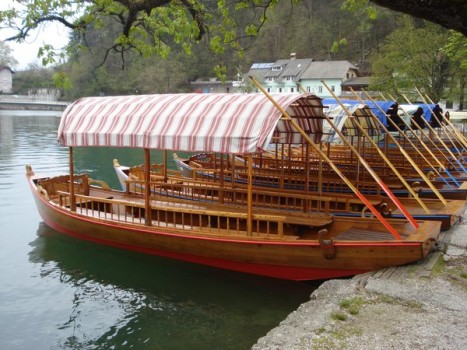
x,y
123,299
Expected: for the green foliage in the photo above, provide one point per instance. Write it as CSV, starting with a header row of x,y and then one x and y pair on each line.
x,y
359,5
146,27
61,80
411,57
170,55
35,78
6,57
456,49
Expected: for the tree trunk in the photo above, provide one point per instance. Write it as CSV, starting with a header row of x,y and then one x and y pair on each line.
x,y
448,13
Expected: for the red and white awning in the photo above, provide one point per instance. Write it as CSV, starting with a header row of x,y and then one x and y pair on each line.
x,y
224,123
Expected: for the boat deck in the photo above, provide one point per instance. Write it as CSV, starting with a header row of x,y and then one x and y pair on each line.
x,y
355,234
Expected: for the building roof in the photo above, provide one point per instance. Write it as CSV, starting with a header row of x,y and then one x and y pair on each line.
x,y
294,67
6,67
302,69
358,81
327,70
259,70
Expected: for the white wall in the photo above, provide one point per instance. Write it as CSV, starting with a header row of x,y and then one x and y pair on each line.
x,y
6,80
315,86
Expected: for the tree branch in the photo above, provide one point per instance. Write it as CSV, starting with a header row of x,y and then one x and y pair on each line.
x,y
450,14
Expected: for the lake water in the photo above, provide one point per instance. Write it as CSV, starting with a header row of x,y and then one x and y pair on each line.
x,y
57,292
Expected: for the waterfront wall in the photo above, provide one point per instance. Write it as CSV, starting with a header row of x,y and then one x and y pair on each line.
x,y
36,103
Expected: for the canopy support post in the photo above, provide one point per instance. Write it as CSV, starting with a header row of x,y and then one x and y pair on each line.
x,y
72,180
250,196
165,166
147,186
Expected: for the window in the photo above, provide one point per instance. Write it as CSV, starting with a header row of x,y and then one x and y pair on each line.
x,y
280,89
308,89
271,79
292,90
333,88
289,78
320,89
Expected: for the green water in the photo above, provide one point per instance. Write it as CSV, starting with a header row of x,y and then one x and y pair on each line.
x,y
57,292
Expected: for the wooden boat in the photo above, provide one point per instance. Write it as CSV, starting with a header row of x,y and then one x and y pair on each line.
x,y
340,204
246,239
407,159
282,173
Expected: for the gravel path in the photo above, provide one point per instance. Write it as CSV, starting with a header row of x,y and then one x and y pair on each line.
x,y
425,307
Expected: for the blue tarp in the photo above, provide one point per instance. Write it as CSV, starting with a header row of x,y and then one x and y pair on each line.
x,y
384,105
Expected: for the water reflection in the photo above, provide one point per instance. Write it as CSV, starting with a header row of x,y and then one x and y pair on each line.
x,y
58,292
122,299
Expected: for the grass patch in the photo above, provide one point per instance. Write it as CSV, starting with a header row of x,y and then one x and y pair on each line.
x,y
324,344
394,301
339,316
353,305
440,266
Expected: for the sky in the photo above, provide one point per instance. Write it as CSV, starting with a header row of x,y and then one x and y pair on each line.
x,y
26,52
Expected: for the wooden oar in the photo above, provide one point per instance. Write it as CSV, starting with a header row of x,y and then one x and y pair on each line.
x,y
443,127
408,127
406,99
432,141
419,127
382,96
441,165
401,132
447,122
383,156
441,141
370,206
407,156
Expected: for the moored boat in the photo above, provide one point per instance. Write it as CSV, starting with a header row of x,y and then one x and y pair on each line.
x,y
246,239
339,204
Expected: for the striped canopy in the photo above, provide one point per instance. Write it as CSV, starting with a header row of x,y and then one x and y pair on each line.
x,y
339,117
224,123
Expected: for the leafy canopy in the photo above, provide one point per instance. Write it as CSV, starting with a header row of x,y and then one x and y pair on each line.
x,y
149,27
411,57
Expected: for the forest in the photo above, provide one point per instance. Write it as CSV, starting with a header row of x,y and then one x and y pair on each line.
x,y
316,29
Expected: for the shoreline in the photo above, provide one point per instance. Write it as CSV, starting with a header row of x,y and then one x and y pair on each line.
x,y
418,306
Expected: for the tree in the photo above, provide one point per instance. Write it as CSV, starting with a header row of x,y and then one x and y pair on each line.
x,y
151,27
456,50
34,78
148,27
6,57
411,57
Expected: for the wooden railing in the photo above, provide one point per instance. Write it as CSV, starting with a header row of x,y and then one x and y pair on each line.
x,y
173,216
206,191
